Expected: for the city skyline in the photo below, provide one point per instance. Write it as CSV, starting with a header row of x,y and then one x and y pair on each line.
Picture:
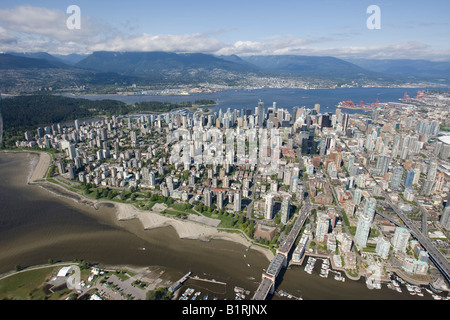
x,y
325,28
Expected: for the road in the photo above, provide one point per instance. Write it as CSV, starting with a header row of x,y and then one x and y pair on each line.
x,y
435,255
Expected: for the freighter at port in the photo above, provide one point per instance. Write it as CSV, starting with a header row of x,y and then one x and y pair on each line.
x,y
349,104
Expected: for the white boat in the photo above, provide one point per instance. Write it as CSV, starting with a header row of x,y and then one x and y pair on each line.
x,y
429,291
436,297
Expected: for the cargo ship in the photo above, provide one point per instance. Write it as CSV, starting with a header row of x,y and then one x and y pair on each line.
x,y
349,104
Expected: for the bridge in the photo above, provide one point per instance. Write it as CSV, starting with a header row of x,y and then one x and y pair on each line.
x,y
267,285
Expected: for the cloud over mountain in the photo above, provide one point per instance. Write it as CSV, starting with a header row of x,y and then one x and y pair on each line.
x,y
32,29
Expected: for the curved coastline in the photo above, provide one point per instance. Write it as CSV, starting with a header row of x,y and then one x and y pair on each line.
x,y
150,220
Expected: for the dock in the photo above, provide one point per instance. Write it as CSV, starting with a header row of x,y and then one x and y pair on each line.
x,y
179,283
208,280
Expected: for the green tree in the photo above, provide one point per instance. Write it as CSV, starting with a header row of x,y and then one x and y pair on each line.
x,y
157,294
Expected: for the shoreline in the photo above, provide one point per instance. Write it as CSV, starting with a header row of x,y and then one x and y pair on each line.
x,y
189,230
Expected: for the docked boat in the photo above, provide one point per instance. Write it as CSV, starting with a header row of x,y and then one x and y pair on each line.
x,y
324,274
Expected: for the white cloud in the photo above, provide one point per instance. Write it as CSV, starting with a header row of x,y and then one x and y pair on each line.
x,y
172,43
28,28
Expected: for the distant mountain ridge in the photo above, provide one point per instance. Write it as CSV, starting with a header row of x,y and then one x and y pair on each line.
x,y
169,68
17,61
151,62
416,69
313,66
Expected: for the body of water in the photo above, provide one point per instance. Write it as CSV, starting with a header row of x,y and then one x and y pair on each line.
x,y
285,98
36,225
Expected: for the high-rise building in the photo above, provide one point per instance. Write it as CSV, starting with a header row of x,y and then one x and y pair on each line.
x,y
269,206
72,152
383,164
152,179
357,196
427,186
445,218
237,201
362,230
400,239
369,207
207,197
382,248
220,200
285,209
317,108
322,226
261,113
409,179
396,179
432,171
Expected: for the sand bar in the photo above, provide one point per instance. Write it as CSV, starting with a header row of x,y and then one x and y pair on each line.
x,y
41,168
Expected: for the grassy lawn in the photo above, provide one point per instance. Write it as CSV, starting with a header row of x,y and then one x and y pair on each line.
x,y
29,285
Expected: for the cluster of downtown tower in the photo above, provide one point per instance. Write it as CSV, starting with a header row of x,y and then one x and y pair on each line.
x,y
247,161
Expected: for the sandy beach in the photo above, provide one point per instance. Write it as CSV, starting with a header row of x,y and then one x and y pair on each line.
x,y
41,167
186,229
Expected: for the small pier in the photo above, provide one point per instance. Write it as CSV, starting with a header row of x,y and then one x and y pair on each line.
x,y
208,280
179,283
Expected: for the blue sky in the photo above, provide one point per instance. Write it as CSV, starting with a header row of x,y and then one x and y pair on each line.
x,y
409,29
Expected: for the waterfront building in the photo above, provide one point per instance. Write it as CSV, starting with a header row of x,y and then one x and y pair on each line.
x,y
346,242
322,226
269,207
220,200
400,239
207,197
383,246
299,251
237,201
362,230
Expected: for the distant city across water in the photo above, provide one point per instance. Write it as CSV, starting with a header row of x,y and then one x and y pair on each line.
x,y
285,98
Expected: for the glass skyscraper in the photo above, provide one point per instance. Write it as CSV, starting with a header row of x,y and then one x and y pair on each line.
x,y
362,230
408,182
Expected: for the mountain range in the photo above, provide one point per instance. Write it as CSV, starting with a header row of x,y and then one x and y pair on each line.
x,y
190,68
